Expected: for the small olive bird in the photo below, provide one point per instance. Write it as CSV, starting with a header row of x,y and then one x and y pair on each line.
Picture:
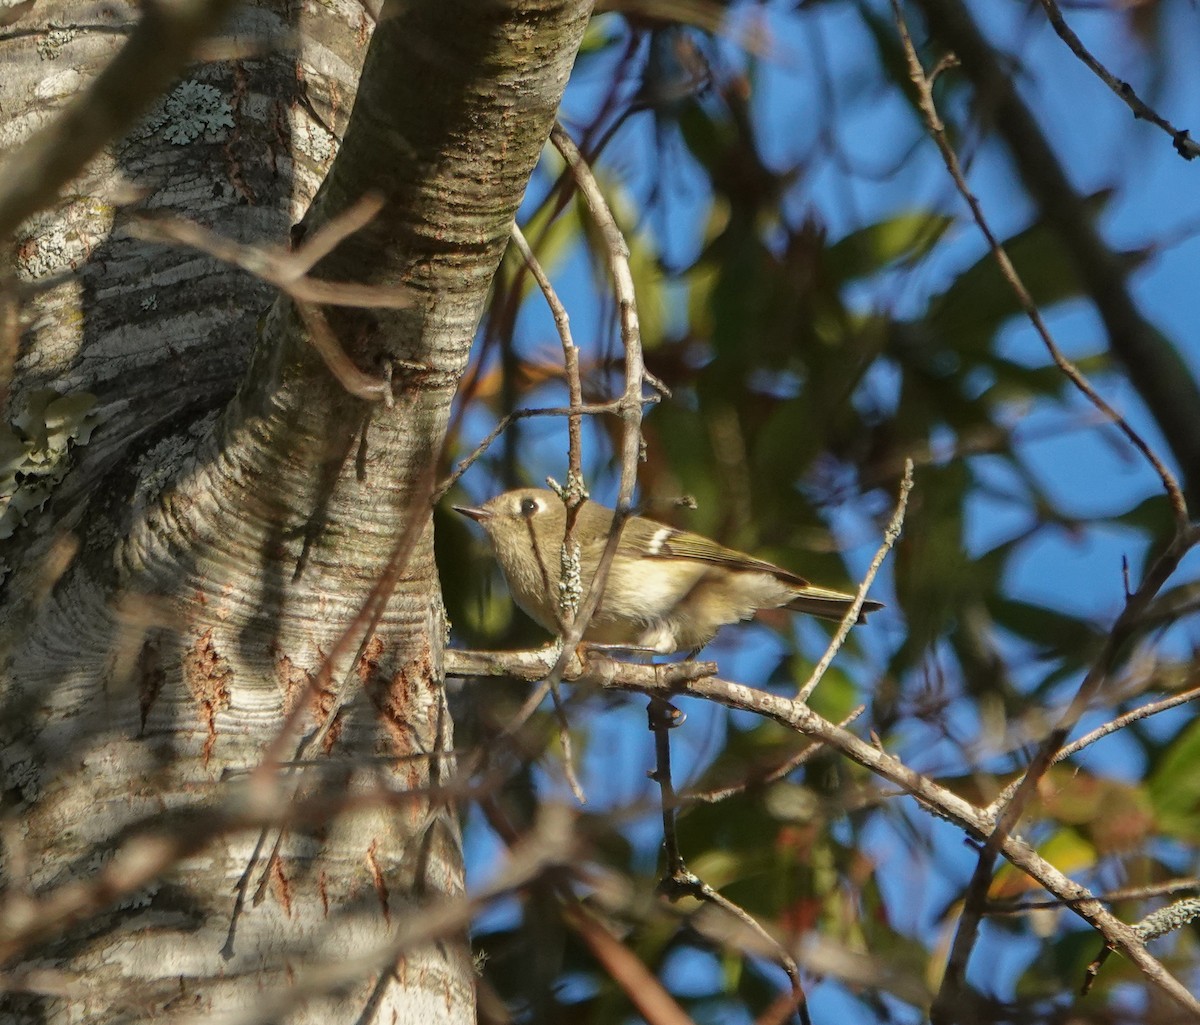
x,y
667,590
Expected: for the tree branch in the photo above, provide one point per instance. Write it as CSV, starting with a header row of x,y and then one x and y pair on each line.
x,y
924,86
950,993
1185,145
890,535
695,680
630,405
1155,368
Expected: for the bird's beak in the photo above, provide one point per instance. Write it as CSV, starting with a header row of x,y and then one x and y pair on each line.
x,y
478,515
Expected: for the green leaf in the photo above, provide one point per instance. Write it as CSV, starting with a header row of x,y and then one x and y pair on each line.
x,y
1152,516
871,249
1056,633
980,301
1174,787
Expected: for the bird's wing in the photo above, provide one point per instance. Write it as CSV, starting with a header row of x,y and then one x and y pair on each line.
x,y
658,541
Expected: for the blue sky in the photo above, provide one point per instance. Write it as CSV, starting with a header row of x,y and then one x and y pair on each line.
x,y
826,57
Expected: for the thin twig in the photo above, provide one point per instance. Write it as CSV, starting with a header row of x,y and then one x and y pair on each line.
x,y
702,891
562,322
630,407
589,409
632,399
697,680
779,772
573,495
1162,889
780,1009
1121,721
662,717
677,881
288,270
1185,145
923,85
321,335
1007,818
976,893
851,617
1100,732
1093,969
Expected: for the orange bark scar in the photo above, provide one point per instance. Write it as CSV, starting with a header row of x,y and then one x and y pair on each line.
x,y
296,683
281,885
380,883
207,676
368,665
394,696
323,891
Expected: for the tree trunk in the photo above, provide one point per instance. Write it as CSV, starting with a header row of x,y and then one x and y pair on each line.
x,y
224,509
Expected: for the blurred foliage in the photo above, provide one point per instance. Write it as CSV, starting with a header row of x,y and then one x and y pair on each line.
x,y
805,363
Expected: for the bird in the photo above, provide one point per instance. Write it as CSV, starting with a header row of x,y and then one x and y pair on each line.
x,y
667,590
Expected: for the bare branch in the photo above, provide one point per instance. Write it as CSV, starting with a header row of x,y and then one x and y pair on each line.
x,y
851,617
677,881
967,932
288,272
570,366
1162,889
764,943
1185,145
693,680
1154,366
1099,733
937,131
631,338
589,409
321,335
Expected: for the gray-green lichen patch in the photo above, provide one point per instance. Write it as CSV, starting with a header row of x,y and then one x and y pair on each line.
x,y
52,41
35,451
162,464
190,110
63,238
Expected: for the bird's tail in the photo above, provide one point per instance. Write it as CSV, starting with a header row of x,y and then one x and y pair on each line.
x,y
817,601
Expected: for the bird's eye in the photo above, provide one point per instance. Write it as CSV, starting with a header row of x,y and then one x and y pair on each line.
x,y
528,506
